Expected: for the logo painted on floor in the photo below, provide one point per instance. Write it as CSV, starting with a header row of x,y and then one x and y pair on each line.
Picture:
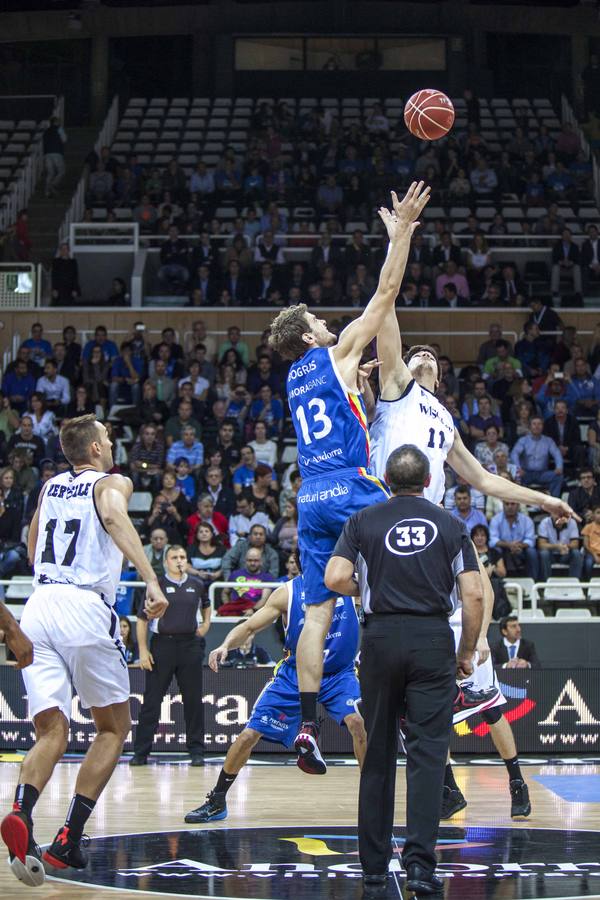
x,y
298,863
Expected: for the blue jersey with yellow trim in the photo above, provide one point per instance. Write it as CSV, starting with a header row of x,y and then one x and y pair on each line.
x,y
330,420
341,643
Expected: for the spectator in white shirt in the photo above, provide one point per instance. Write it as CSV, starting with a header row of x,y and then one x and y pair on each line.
x,y
198,382
559,544
55,388
245,517
265,450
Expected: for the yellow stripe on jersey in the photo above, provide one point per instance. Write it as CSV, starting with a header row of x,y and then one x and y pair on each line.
x,y
376,480
357,409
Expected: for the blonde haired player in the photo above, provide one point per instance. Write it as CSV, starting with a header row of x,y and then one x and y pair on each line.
x,y
407,405
78,536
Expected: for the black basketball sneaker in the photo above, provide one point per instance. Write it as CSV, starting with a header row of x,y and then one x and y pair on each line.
x,y
25,858
213,810
64,852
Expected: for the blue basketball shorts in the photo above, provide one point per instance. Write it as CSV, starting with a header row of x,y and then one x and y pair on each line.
x,y
276,713
325,502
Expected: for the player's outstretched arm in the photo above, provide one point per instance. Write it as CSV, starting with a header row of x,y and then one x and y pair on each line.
x,y
111,495
394,374
275,606
400,225
465,465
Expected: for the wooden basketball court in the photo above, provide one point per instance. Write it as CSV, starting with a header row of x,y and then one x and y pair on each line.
x,y
565,798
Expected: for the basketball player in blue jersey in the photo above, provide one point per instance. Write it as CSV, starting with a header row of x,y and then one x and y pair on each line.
x,y
276,714
407,404
333,444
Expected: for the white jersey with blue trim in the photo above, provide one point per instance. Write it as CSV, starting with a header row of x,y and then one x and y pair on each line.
x,y
416,417
73,547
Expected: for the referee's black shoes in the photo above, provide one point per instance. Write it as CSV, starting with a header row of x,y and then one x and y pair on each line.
x,y
421,881
452,802
374,886
138,760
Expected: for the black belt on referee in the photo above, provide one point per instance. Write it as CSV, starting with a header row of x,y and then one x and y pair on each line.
x,y
179,634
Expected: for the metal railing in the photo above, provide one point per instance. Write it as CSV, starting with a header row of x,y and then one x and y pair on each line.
x,y
23,581
308,240
218,585
589,592
113,237
27,581
20,190
518,589
77,205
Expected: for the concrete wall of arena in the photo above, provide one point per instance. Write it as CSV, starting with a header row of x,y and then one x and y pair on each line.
x,y
418,326
551,711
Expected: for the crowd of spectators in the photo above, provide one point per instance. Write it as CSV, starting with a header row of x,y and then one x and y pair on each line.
x,y
204,421
200,426
308,173
530,413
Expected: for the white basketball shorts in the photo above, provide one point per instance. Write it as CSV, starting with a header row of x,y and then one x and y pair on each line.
x,y
76,645
483,677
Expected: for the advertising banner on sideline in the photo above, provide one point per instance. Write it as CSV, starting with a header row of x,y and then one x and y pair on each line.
x,y
552,711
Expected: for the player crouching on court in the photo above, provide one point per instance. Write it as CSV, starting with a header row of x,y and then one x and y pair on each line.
x,y
276,713
78,536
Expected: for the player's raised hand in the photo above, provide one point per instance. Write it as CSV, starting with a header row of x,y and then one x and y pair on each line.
x,y
217,657
364,373
408,210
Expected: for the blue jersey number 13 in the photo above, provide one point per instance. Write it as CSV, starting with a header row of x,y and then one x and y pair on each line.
x,y
317,408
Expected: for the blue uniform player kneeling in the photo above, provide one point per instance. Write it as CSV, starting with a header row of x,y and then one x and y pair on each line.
x,y
276,713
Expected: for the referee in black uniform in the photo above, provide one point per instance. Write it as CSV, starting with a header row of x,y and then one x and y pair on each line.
x,y
407,554
177,649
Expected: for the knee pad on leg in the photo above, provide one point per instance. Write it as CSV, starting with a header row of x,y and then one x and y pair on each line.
x,y
491,716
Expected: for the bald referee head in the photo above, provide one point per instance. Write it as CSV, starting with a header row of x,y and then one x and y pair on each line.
x,y
407,470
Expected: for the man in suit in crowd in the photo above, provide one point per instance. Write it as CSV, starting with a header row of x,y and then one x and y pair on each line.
x,y
325,254
563,428
512,651
446,252
566,261
236,283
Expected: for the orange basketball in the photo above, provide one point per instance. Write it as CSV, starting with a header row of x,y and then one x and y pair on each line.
x,y
429,114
